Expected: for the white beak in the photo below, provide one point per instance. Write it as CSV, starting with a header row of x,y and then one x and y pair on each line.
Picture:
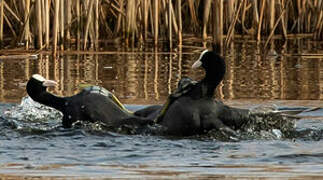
x,y
49,83
46,83
197,64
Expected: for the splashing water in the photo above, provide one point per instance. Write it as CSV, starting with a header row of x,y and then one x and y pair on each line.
x,y
265,122
30,116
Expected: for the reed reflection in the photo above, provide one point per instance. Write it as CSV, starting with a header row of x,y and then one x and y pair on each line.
x,y
147,76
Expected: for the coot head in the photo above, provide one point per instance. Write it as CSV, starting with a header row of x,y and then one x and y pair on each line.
x,y
214,66
39,83
210,60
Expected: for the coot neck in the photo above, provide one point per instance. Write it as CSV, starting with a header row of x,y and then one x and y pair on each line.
x,y
39,94
211,80
51,100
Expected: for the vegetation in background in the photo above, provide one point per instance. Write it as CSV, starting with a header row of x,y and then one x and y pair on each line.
x,y
62,24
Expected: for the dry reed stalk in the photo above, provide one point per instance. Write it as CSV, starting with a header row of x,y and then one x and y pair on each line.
x,y
273,29
103,20
167,11
42,3
255,11
26,23
282,6
55,27
92,30
308,24
307,18
145,11
156,16
46,7
116,7
68,16
10,27
299,7
192,12
88,21
61,24
170,24
272,15
12,13
319,22
130,19
230,9
243,16
117,29
164,11
96,44
232,25
298,2
318,27
218,24
206,14
286,16
304,16
173,18
78,28
140,19
39,25
151,17
1,21
260,20
179,9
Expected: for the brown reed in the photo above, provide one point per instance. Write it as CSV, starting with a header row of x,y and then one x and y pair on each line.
x,y
47,22
39,25
86,22
1,20
156,16
55,26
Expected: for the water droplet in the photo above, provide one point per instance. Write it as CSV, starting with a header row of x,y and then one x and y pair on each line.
x,y
277,133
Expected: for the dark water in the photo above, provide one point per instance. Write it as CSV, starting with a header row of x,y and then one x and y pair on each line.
x,y
32,142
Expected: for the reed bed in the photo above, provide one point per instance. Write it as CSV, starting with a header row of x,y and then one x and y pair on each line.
x,y
81,24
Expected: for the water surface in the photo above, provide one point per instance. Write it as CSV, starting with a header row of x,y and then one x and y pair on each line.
x,y
33,143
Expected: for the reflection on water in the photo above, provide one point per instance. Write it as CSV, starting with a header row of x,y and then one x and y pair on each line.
x,y
33,144
148,76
